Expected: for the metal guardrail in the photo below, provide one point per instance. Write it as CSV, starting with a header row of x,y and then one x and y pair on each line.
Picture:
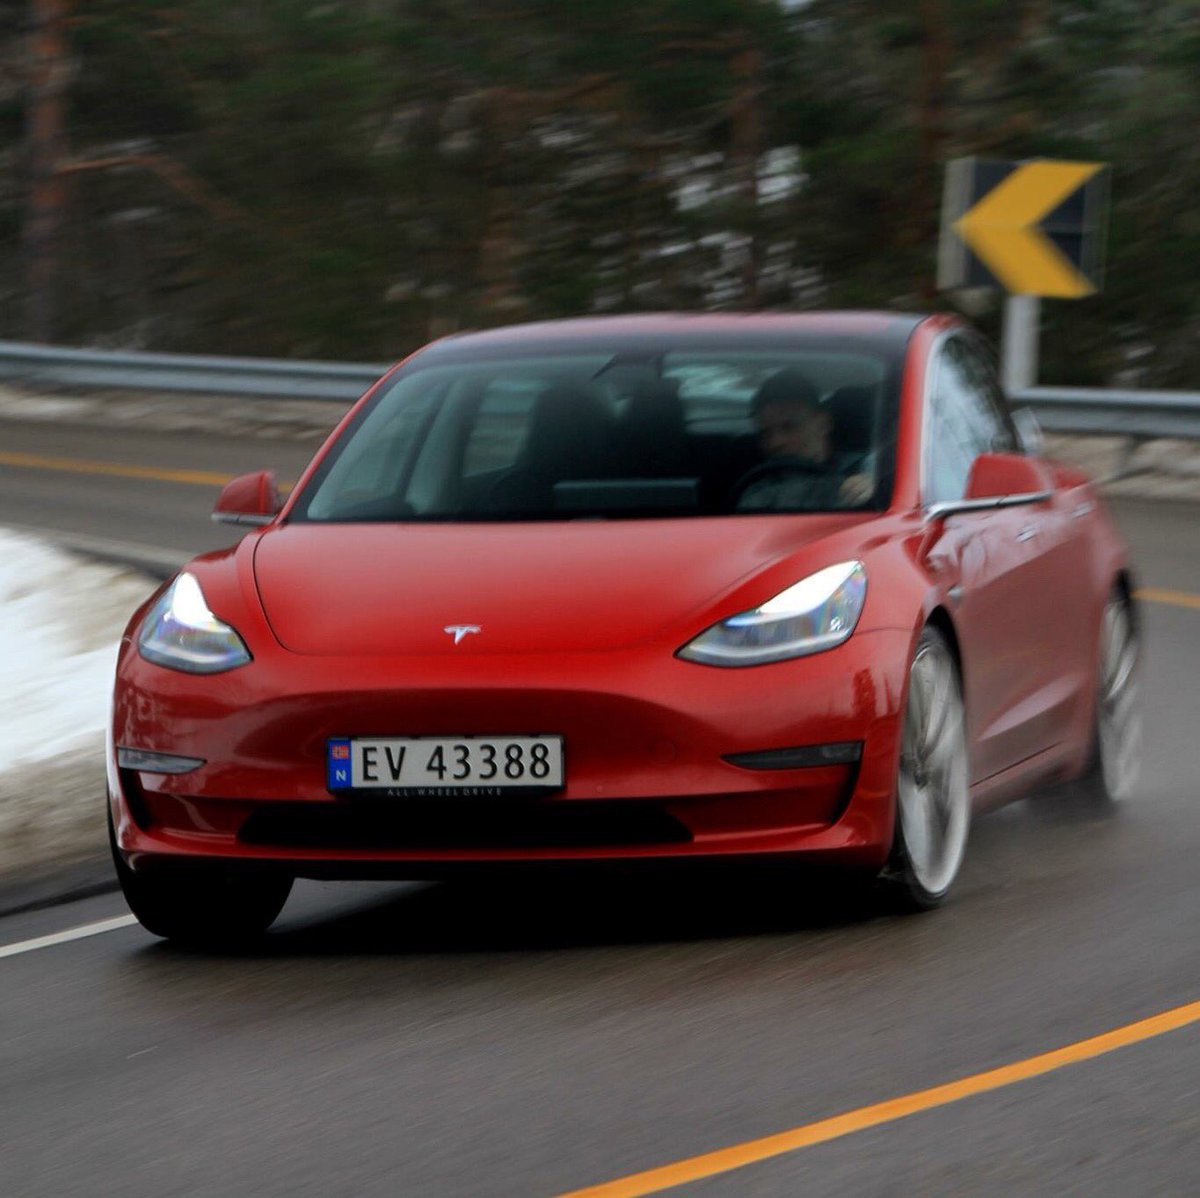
x,y
252,378
1136,414
1141,415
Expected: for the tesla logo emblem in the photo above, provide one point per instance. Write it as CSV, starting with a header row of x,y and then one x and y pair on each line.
x,y
458,631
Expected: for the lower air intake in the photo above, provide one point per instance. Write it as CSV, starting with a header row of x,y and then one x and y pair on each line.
x,y
403,824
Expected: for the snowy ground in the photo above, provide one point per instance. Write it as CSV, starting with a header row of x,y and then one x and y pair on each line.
x,y
60,621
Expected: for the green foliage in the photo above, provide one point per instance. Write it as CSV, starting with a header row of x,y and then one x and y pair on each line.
x,y
340,179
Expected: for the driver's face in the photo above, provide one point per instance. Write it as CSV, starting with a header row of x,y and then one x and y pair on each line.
x,y
793,430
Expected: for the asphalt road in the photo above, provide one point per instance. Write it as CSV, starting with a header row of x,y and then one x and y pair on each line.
x,y
67,490
471,1040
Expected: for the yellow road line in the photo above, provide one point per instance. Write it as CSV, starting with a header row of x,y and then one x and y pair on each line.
x,y
1175,598
724,1160
33,461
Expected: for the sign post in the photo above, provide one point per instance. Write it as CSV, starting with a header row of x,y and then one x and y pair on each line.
x,y
1030,229
1019,342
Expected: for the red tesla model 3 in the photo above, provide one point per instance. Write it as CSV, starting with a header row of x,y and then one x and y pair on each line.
x,y
782,587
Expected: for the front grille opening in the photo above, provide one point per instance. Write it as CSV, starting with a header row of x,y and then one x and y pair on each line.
x,y
404,824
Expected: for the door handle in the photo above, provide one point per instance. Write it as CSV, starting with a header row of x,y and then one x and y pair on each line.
x,y
1027,533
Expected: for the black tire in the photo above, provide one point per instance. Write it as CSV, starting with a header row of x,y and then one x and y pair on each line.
x,y
916,879
1114,755
201,906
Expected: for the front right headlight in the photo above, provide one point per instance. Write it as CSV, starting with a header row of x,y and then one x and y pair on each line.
x,y
814,614
180,632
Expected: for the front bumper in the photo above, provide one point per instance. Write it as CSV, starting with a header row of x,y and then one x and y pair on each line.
x,y
646,741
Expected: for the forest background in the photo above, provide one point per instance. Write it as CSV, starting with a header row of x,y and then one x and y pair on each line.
x,y
296,178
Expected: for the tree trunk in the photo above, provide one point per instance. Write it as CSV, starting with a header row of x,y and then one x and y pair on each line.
x,y
934,66
47,139
499,246
746,138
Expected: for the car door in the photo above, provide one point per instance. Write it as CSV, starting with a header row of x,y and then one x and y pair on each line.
x,y
1053,569
989,560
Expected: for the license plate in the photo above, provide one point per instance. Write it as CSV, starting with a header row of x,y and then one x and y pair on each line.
x,y
430,766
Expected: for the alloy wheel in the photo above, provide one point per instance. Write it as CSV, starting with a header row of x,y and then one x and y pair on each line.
x,y
933,787
1118,714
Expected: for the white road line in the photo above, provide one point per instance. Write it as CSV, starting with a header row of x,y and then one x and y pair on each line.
x,y
80,933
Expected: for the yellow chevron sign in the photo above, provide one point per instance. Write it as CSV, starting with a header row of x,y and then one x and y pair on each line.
x,y
1003,228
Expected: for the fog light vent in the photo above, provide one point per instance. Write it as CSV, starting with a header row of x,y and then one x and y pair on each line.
x,y
156,763
845,752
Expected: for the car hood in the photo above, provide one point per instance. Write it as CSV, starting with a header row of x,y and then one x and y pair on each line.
x,y
369,589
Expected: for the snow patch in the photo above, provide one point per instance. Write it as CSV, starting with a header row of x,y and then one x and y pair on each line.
x,y
41,407
60,623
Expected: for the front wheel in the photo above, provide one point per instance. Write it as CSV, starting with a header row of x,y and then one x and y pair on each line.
x,y
1116,754
201,906
933,801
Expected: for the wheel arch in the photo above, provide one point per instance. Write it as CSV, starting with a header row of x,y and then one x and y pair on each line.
x,y
941,619
1124,583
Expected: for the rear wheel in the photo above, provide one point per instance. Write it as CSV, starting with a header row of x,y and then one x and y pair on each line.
x,y
201,906
1116,755
933,804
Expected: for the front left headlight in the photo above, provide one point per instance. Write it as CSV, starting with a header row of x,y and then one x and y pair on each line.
x,y
815,614
179,632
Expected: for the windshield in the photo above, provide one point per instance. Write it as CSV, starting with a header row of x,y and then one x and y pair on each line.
x,y
602,435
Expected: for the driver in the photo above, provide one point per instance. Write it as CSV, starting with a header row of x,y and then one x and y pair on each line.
x,y
793,428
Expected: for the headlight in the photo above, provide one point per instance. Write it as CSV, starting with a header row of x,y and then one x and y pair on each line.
x,y
816,613
179,632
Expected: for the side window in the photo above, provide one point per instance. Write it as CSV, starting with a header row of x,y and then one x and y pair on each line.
x,y
966,418
978,368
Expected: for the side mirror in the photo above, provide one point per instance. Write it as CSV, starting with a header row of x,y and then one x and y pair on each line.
x,y
1029,431
249,499
1007,475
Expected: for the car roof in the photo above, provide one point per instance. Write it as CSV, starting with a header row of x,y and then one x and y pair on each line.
x,y
887,332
